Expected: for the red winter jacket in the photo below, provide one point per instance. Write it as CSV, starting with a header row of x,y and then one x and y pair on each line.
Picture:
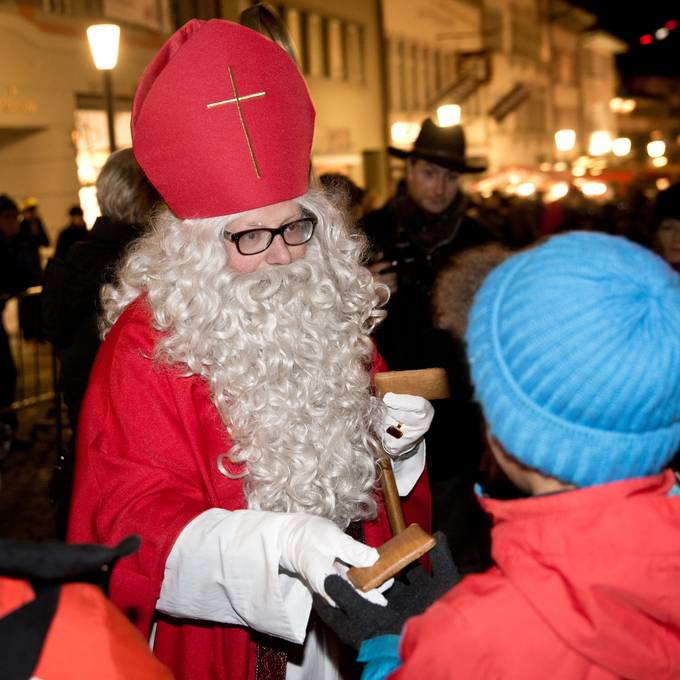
x,y
586,587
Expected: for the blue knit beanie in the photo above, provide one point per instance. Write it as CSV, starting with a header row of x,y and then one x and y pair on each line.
x,y
574,349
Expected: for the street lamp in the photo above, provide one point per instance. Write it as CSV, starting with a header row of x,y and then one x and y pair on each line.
x,y
104,40
656,148
565,140
621,146
600,143
448,114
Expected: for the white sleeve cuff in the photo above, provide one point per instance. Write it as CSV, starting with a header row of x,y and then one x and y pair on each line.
x,y
224,567
407,470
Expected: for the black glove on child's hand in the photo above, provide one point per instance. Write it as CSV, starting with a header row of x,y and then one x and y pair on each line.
x,y
355,619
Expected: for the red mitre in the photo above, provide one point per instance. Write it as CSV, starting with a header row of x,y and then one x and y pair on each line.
x,y
222,121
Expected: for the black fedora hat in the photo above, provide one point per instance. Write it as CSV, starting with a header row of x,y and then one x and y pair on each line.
x,y
443,146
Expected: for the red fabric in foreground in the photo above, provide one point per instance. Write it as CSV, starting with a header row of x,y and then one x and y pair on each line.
x,y
88,638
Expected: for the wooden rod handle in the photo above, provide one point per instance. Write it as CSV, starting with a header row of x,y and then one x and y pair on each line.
x,y
395,514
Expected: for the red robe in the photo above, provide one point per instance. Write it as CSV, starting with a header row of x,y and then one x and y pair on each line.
x,y
146,464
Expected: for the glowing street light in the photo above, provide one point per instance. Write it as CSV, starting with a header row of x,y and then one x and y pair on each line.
x,y
621,146
600,143
628,105
557,191
621,105
526,189
656,149
565,140
404,133
448,114
594,189
104,40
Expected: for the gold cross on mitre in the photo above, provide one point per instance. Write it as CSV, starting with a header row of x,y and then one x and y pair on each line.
x,y
236,99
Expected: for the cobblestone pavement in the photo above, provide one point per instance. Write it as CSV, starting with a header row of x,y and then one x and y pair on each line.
x,y
25,510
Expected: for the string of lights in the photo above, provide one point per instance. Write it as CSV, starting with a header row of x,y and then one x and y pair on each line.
x,y
661,33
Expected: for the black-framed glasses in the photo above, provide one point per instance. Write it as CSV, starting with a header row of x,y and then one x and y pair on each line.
x,y
254,241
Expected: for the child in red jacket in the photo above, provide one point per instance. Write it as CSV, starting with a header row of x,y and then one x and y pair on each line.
x,y
575,353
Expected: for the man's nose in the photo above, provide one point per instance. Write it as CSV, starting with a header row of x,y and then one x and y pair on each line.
x,y
440,185
278,252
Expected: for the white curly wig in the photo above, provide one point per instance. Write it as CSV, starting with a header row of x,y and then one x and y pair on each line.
x,y
286,351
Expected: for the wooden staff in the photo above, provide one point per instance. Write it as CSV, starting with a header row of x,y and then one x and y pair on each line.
x,y
408,543
429,383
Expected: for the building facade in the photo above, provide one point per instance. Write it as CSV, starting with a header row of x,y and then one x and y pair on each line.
x,y
518,69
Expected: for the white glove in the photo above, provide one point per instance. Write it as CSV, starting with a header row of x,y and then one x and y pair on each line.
x,y
309,546
409,416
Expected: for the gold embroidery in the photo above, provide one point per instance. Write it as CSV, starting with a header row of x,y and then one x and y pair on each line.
x,y
236,99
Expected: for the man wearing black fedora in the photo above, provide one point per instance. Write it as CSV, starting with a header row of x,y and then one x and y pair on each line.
x,y
413,237
415,234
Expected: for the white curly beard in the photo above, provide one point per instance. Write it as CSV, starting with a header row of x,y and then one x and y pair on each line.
x,y
294,393
287,353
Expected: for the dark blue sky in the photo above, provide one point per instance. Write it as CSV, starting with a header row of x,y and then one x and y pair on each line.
x,y
630,19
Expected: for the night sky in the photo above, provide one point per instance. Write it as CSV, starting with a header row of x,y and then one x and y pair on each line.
x,y
629,20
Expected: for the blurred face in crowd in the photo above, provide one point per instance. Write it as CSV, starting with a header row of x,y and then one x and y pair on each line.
x,y
431,187
9,222
77,220
668,240
246,230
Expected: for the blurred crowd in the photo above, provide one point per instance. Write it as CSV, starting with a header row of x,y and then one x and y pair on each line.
x,y
430,246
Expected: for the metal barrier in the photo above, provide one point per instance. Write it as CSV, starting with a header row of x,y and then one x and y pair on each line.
x,y
36,362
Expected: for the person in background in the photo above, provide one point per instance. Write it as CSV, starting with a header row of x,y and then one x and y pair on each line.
x,y
31,238
71,303
413,238
665,239
464,522
15,277
350,194
126,199
665,226
577,368
228,419
74,231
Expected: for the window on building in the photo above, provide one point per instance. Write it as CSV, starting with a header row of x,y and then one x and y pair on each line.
x,y
314,41
184,10
395,82
492,27
91,137
293,21
531,117
525,33
335,53
354,41
328,47
566,118
564,65
596,65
